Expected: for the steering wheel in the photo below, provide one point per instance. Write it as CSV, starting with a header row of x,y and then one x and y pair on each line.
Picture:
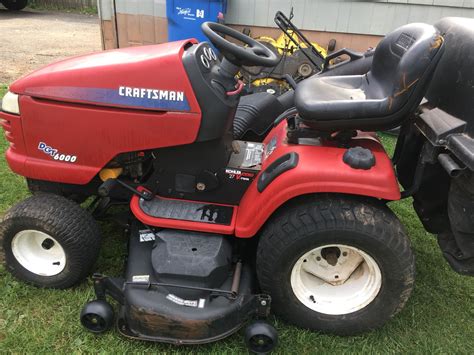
x,y
255,54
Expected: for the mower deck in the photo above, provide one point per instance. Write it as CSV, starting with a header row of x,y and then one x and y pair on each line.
x,y
161,302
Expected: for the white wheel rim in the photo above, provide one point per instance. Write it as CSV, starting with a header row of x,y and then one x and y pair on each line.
x,y
336,279
38,252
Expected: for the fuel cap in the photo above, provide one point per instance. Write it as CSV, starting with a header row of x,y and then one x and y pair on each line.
x,y
359,158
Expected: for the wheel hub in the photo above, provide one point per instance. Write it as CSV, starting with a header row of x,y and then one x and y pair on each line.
x,y
333,265
336,279
38,252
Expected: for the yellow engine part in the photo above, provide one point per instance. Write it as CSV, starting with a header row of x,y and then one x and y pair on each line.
x,y
112,173
283,42
267,81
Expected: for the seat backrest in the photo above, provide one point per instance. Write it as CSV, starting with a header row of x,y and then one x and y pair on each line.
x,y
452,88
403,64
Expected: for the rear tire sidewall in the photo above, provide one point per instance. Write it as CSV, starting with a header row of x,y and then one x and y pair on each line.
x,y
397,274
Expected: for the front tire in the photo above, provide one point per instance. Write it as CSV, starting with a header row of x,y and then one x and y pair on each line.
x,y
49,241
337,264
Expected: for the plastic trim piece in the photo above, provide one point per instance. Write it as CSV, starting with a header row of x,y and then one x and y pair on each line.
x,y
284,163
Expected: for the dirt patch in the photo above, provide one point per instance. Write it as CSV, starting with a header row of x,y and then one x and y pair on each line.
x,y
32,39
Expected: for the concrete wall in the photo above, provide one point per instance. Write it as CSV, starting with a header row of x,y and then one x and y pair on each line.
x,y
354,24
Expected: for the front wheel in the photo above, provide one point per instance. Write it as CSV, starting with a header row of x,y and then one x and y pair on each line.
x,y
14,5
49,241
337,264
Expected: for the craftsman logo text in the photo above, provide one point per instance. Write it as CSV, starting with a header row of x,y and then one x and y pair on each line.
x,y
151,94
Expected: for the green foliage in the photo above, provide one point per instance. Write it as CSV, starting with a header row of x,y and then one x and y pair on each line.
x,y
41,5
439,317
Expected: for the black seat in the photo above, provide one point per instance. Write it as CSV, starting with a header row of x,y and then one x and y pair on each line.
x,y
402,67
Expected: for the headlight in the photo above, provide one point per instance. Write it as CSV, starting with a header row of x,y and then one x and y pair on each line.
x,y
10,103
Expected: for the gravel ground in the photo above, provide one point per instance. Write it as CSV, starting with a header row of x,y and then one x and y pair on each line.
x,y
31,39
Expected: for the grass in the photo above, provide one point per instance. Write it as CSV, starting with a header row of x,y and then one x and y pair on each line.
x,y
439,317
87,10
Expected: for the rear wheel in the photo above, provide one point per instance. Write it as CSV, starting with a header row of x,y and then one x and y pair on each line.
x,y
49,241
336,263
15,5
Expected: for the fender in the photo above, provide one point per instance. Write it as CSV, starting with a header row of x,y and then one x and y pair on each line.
x,y
320,169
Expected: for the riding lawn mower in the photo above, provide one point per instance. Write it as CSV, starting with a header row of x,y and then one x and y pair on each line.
x,y
222,230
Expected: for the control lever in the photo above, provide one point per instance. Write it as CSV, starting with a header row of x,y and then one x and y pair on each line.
x,y
107,186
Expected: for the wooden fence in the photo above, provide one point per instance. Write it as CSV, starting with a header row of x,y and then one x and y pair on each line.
x,y
66,4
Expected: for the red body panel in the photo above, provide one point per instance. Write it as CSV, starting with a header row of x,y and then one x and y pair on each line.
x,y
99,128
16,153
320,169
150,67
94,135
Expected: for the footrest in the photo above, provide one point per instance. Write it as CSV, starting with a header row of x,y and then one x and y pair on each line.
x,y
187,211
183,214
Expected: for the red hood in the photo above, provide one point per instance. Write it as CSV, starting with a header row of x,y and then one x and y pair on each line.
x,y
129,77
